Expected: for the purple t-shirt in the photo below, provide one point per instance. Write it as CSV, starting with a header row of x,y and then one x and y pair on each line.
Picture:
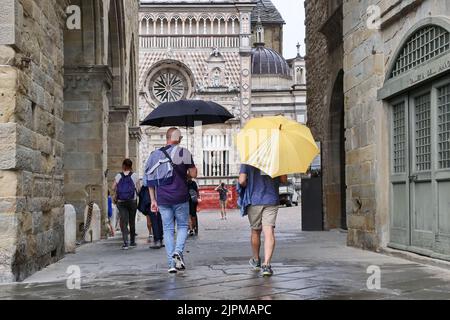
x,y
177,192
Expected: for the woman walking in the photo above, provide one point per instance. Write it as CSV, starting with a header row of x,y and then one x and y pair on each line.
x,y
126,186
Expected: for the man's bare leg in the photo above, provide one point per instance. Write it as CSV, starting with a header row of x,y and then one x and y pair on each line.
x,y
256,244
269,244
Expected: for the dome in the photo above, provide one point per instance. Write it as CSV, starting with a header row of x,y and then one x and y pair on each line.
x,y
266,61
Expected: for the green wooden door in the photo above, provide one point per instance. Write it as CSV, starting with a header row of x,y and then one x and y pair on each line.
x,y
422,215
420,171
442,171
400,219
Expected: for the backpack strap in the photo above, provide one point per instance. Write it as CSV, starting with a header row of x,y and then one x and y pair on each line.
x,y
124,176
160,162
164,150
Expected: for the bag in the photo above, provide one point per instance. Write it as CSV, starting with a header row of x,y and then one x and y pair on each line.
x,y
126,189
194,195
144,201
162,173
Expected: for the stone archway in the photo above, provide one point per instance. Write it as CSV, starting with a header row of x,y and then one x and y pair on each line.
x,y
135,132
88,83
334,184
96,109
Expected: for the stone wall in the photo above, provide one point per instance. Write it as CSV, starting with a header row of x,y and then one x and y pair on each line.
x,y
324,60
369,53
318,75
363,65
31,131
57,88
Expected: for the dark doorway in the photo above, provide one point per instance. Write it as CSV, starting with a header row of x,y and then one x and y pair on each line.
x,y
335,182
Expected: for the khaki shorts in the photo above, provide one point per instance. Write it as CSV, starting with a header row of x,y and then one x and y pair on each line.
x,y
260,216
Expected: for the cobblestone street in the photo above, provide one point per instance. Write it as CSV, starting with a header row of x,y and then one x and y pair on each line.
x,y
306,265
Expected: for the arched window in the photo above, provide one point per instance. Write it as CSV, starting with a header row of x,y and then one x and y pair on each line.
x,y
218,25
191,25
425,44
175,25
233,25
205,25
163,26
143,26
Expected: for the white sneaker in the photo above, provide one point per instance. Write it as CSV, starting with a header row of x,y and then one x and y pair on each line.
x,y
173,270
179,263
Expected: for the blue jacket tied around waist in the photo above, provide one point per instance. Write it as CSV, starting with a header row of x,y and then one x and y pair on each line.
x,y
245,197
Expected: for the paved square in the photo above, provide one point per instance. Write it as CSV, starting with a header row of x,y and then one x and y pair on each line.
x,y
307,265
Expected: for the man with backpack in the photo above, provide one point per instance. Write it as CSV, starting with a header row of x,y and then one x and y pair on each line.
x,y
126,186
167,172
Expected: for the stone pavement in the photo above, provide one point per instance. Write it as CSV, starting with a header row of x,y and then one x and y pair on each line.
x,y
307,266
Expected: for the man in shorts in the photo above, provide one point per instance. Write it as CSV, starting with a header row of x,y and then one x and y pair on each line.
x,y
262,213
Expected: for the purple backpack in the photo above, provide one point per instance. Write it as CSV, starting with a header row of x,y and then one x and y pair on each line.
x,y
126,190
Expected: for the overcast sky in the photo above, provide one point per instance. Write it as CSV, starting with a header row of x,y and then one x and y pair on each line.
x,y
293,13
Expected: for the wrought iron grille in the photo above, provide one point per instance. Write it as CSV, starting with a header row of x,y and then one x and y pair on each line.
x,y
399,138
444,127
423,132
423,45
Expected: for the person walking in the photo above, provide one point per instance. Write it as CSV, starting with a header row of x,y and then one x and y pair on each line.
x,y
126,186
262,210
154,222
223,197
144,207
167,172
193,204
110,214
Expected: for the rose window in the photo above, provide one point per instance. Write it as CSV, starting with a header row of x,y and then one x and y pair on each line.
x,y
169,85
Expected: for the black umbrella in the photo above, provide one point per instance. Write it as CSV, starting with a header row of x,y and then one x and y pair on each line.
x,y
185,113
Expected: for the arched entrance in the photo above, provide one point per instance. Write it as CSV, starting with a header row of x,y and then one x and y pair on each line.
x,y
99,82
335,186
418,93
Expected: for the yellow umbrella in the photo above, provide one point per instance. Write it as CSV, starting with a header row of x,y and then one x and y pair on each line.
x,y
277,146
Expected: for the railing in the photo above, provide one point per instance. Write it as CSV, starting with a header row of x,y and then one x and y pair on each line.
x,y
188,41
215,181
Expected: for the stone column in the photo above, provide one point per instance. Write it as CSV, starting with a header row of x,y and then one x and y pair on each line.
x,y
118,140
86,109
246,60
135,137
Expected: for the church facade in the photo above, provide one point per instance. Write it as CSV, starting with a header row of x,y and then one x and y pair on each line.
x,y
228,52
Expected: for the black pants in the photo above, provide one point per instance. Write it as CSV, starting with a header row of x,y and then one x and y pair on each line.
x,y
127,212
193,209
157,226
